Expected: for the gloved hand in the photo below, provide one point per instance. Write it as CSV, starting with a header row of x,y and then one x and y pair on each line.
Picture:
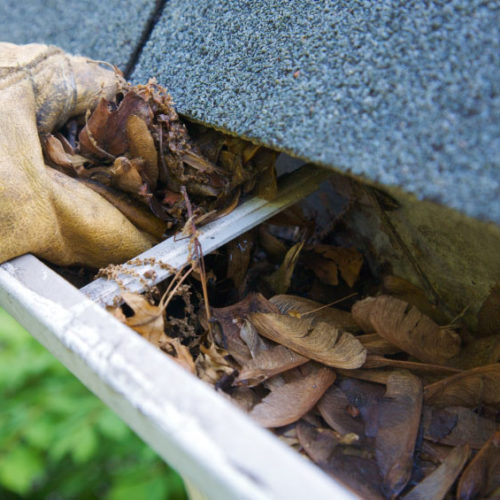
x,y
43,211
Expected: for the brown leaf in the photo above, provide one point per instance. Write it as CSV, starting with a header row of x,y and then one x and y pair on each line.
x,y
290,401
376,344
479,352
328,260
300,306
481,478
211,364
398,424
334,407
404,290
361,311
105,134
374,361
364,398
488,317
239,252
126,175
142,145
147,319
318,341
358,473
415,333
179,352
274,248
55,153
456,425
281,278
230,318
255,343
470,388
437,484
268,363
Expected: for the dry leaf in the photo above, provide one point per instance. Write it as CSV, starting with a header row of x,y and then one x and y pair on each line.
x,y
289,402
481,478
412,331
376,344
274,248
318,341
437,484
358,473
211,364
147,319
230,318
482,351
470,388
374,361
398,424
239,252
404,290
252,339
336,409
361,311
280,280
268,363
299,306
456,425
326,260
179,352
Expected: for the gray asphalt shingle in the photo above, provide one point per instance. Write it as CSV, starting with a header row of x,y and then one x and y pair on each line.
x,y
402,93
106,30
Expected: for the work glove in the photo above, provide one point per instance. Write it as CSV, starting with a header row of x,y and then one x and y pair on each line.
x,y
43,211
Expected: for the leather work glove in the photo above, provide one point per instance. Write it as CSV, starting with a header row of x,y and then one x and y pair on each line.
x,y
43,211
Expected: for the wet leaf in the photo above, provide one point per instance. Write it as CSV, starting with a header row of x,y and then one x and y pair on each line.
x,y
406,327
437,484
481,478
300,306
398,424
318,341
456,425
268,363
336,409
280,280
326,261
470,388
290,401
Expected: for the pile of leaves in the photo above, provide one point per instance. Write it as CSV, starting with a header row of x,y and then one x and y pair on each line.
x,y
382,391
137,153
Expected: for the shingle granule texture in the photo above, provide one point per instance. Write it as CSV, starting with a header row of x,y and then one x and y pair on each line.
x,y
405,93
107,30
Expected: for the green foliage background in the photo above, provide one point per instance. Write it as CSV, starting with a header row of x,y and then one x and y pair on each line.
x,y
58,441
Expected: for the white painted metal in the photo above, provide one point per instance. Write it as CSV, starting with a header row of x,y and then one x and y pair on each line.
x,y
208,440
174,251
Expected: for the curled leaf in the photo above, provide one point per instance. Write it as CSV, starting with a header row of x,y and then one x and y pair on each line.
x,y
287,403
280,280
318,341
405,326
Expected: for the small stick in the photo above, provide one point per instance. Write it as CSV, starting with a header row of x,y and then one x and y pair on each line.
x,y
199,256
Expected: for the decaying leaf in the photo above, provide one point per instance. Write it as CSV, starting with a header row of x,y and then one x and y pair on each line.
x,y
318,341
230,320
336,410
470,388
437,484
409,329
280,280
398,424
290,401
299,306
326,261
268,363
456,425
489,314
481,478
147,319
358,473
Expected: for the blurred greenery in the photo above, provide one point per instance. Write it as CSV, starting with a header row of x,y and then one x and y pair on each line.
x,y
58,441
